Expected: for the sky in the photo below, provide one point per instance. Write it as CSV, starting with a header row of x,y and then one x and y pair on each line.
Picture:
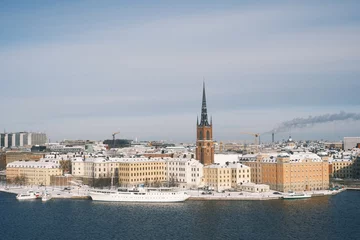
x,y
86,69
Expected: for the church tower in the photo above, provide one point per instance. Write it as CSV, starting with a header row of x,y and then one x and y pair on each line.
x,y
204,135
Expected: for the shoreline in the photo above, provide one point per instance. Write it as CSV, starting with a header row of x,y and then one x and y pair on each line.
x,y
81,194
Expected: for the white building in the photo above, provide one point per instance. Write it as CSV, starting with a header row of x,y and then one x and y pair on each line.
x,y
187,173
255,188
223,158
56,147
20,139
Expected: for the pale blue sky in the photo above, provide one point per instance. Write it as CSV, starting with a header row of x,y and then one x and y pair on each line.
x,y
84,69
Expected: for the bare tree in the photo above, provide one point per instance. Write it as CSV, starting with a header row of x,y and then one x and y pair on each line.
x,y
65,166
22,180
17,180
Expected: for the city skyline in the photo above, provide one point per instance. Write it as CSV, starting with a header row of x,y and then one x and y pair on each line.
x,y
85,70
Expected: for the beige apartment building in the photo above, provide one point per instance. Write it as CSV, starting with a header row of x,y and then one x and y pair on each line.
x,y
142,171
130,171
32,172
297,172
254,162
222,177
12,156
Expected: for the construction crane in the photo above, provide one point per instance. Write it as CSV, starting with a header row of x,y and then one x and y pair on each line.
x,y
256,135
114,134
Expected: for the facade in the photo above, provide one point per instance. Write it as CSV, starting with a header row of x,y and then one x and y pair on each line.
x,y
36,138
182,172
356,167
255,188
65,149
16,156
5,140
2,140
297,172
254,162
333,145
33,172
204,136
186,173
342,168
2,160
142,171
226,176
21,139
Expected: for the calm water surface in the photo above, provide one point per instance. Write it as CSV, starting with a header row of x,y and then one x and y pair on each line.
x,y
336,217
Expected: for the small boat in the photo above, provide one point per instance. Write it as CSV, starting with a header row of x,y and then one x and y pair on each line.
x,y
29,195
296,196
46,197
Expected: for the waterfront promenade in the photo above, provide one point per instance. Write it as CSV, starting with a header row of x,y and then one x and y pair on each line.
x,y
83,193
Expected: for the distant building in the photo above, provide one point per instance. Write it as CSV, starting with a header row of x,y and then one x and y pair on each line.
x,y
204,136
65,149
351,142
290,143
334,145
2,160
68,142
21,139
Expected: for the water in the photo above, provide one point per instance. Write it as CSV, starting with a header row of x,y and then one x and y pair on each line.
x,y
336,217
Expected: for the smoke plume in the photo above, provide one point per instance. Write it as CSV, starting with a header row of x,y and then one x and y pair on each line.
x,y
310,121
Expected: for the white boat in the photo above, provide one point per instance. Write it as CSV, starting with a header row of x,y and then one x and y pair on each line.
x,y
26,196
296,196
139,195
46,197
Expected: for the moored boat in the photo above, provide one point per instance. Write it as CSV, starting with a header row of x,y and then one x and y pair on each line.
x,y
46,197
139,195
296,196
29,195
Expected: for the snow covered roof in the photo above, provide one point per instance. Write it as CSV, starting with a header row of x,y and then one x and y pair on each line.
x,y
32,164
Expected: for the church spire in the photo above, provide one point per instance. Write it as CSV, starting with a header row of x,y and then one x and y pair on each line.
x,y
204,117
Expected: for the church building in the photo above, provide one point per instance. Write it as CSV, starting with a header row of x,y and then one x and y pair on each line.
x,y
204,136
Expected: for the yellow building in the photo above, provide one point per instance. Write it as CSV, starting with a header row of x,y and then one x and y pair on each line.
x,y
221,177
298,172
254,162
12,156
342,168
141,171
32,172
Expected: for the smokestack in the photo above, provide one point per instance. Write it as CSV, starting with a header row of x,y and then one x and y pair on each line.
x,y
273,137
